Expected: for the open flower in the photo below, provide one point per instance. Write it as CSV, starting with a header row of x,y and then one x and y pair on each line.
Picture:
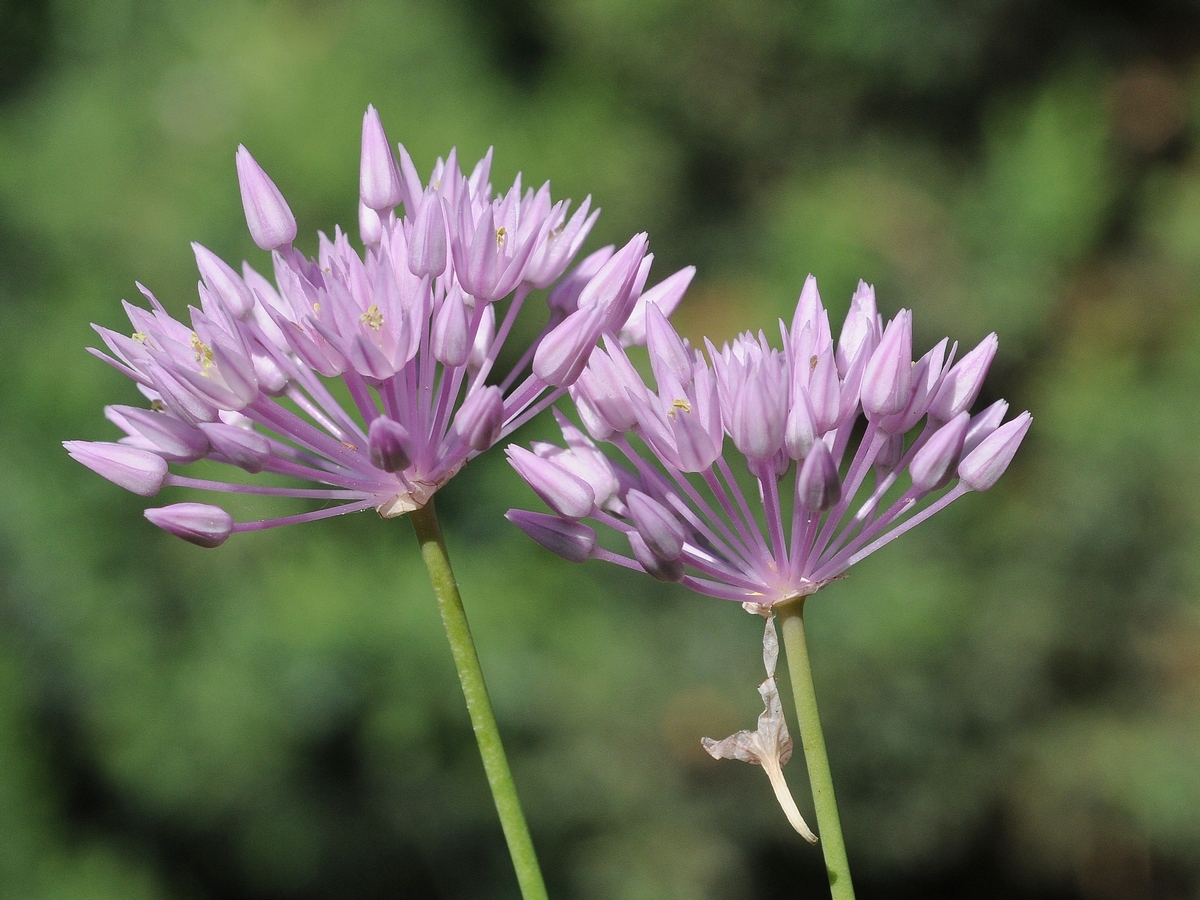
x,y
828,492
412,327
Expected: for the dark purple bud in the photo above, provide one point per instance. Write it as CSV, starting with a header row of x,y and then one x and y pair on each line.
x,y
241,447
139,471
818,486
199,523
573,541
984,465
934,464
670,570
389,445
568,495
268,216
480,420
660,529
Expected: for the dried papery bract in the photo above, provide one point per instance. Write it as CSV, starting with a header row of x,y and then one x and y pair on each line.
x,y
769,745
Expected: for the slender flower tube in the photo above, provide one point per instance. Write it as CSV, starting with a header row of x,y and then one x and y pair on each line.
x,y
828,487
412,326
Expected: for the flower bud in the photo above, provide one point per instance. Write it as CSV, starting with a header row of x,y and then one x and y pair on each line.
x,y
389,445
961,385
568,495
451,339
573,541
983,424
139,471
658,526
670,570
224,283
242,447
199,523
563,353
172,438
427,242
480,420
887,381
379,178
268,216
934,464
818,486
984,465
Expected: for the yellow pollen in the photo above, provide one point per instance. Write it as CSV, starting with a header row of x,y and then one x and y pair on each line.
x,y
157,405
501,234
317,308
349,446
679,404
372,318
139,337
204,354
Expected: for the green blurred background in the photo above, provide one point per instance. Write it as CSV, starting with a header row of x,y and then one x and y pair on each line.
x,y
1012,692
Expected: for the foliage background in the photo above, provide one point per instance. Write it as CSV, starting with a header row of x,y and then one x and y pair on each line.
x,y
1012,692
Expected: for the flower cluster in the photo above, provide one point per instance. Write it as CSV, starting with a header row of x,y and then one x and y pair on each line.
x,y
410,327
793,416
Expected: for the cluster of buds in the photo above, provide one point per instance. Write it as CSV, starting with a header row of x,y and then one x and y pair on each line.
x,y
682,512
410,327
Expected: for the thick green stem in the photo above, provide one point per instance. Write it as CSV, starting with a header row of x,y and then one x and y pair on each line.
x,y
479,705
829,826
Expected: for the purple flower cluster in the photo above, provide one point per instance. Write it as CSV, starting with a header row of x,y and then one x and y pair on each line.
x,y
682,511
412,328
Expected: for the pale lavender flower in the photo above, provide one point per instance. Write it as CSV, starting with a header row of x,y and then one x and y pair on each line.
x,y
829,491
413,327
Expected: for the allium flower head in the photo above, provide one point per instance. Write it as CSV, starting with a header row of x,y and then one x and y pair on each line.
x,y
412,327
814,491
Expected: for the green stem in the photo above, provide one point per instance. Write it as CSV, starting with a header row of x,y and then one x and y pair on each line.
x,y
479,705
829,826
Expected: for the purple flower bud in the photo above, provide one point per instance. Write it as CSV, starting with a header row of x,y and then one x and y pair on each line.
x,y
984,424
174,439
268,216
670,358
480,421
670,570
665,295
370,229
984,465
759,412
934,464
573,541
427,242
564,296
139,471
961,385
800,431
887,381
563,353
824,391
199,523
890,453
241,447
272,379
568,495
379,178
451,337
224,283
818,486
658,526
389,445
860,332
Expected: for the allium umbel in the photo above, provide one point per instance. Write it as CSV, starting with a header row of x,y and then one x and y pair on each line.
x,y
412,327
829,492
